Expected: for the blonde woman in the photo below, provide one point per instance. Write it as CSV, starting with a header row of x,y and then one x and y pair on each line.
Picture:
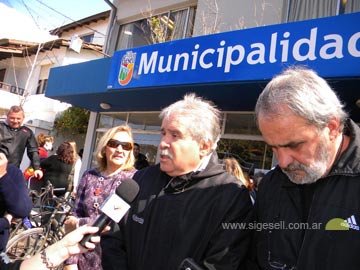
x,y
115,159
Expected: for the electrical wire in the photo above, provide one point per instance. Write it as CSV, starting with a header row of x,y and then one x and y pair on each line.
x,y
72,20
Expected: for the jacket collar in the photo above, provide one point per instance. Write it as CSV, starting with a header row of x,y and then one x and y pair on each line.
x,y
183,182
12,129
348,162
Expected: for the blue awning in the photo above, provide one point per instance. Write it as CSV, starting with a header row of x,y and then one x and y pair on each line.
x,y
229,68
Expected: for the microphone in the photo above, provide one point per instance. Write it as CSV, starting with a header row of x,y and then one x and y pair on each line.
x,y
115,206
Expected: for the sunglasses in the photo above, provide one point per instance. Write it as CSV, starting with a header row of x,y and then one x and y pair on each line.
x,y
115,144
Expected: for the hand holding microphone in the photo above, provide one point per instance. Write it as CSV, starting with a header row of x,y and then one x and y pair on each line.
x,y
115,206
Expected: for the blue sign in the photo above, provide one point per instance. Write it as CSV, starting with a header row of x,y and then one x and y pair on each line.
x,y
329,45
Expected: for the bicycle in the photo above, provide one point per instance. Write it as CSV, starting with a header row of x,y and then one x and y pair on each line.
x,y
29,242
40,198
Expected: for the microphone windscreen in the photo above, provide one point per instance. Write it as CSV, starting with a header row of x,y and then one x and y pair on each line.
x,y
128,190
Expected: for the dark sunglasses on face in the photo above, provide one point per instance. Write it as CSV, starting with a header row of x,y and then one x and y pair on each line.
x,y
115,144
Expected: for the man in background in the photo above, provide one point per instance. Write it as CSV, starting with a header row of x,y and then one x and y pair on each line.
x,y
140,159
16,138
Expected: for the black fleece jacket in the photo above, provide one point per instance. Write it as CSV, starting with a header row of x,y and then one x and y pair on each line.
x,y
167,224
323,241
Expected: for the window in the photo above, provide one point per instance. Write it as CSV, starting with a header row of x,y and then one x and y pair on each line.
x,y
167,26
240,137
113,119
145,127
2,74
88,38
145,121
41,86
43,79
241,123
309,9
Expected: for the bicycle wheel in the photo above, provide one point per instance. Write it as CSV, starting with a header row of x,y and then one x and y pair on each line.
x,y
28,243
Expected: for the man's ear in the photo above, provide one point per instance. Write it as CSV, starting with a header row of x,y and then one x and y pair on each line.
x,y
205,149
334,128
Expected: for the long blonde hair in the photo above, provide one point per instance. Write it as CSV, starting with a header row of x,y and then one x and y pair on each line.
x,y
233,167
73,145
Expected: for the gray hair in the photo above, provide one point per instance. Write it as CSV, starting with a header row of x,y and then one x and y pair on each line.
x,y
201,117
306,94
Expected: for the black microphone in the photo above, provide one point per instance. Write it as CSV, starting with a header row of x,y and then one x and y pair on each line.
x,y
115,206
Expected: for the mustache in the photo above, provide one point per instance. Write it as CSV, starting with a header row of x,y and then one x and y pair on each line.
x,y
166,152
293,167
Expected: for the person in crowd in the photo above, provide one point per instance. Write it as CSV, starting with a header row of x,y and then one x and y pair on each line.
x,y
14,199
184,201
316,183
74,175
140,159
55,254
57,168
17,138
232,165
115,161
45,143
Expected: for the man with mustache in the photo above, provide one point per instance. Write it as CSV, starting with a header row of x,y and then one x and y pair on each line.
x,y
313,192
185,203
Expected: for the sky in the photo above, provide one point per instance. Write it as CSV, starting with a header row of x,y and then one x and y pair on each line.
x,y
30,18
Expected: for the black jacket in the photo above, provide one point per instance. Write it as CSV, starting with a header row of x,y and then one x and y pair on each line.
x,y
141,162
14,143
337,196
57,173
166,225
10,266
14,199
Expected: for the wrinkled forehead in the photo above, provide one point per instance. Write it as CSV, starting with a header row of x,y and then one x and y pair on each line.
x,y
176,123
281,129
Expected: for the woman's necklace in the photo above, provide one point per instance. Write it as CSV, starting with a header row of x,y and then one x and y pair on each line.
x,y
99,189
97,192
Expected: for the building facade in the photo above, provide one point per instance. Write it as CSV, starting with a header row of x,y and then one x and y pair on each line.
x,y
225,51
25,67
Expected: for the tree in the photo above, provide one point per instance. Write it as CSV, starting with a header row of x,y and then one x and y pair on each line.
x,y
74,120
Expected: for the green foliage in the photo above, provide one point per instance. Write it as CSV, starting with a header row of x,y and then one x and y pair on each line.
x,y
74,120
